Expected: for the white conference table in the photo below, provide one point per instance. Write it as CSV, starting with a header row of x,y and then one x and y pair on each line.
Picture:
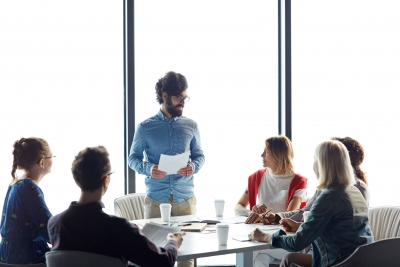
x,y
204,244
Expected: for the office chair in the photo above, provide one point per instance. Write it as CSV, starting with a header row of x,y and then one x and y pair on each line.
x,y
384,252
67,258
130,207
22,265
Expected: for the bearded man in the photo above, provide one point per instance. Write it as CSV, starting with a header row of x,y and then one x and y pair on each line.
x,y
168,133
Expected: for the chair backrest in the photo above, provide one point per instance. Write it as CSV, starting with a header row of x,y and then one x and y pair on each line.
x,y
68,258
22,265
385,222
130,207
380,253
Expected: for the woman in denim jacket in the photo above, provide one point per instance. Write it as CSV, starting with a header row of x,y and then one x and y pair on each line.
x,y
338,220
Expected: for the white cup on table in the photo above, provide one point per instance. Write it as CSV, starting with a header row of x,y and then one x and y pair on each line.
x,y
222,233
305,215
165,209
219,207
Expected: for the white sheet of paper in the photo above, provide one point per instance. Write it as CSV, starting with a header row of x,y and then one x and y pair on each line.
x,y
270,227
171,164
158,233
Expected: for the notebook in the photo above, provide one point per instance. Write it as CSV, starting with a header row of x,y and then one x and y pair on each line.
x,y
192,227
197,219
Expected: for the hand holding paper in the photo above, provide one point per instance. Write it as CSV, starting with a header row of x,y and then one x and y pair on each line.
x,y
156,173
176,237
172,164
187,171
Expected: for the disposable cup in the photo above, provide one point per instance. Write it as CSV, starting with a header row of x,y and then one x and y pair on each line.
x,y
165,209
305,215
222,233
219,207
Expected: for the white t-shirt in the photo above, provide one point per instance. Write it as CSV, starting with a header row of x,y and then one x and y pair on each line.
x,y
274,189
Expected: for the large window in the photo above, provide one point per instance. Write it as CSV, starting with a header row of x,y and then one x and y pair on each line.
x,y
61,66
228,52
345,82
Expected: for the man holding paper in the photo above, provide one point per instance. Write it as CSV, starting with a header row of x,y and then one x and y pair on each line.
x,y
167,149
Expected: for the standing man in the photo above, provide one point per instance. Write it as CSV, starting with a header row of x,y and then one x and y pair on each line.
x,y
168,133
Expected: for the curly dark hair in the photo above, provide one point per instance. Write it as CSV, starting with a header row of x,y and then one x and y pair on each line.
x,y
90,166
27,152
172,83
356,152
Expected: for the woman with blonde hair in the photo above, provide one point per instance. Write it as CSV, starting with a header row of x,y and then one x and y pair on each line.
x,y
25,214
277,186
338,220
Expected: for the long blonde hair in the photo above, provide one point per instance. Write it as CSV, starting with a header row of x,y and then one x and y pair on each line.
x,y
334,165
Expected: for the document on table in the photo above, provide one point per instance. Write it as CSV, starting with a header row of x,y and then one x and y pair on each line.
x,y
270,227
157,233
171,164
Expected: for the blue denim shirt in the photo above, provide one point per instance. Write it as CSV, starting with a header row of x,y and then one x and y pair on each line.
x,y
160,135
336,225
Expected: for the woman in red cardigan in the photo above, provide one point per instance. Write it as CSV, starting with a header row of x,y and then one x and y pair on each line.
x,y
276,185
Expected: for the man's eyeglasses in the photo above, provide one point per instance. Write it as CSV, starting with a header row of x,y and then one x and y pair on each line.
x,y
108,174
182,98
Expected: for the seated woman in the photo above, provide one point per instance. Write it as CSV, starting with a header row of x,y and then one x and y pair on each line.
x,y
338,220
276,185
25,214
356,153
85,227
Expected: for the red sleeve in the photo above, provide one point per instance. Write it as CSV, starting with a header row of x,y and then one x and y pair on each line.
x,y
252,186
298,182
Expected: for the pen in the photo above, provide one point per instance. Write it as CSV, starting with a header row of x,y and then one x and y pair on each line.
x,y
263,215
186,224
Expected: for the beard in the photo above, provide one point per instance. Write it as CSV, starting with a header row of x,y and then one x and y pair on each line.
x,y
173,110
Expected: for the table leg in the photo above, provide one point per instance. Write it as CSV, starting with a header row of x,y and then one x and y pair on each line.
x,y
244,259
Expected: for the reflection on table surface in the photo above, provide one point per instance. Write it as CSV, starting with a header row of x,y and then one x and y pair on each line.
x,y
205,243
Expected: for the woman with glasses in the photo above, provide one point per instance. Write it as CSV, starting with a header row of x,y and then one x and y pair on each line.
x,y
277,186
25,214
338,220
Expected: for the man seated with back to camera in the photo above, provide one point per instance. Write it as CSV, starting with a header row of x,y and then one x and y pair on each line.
x,y
85,227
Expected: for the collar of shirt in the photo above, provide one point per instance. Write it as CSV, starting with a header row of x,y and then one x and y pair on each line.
x,y
89,206
162,117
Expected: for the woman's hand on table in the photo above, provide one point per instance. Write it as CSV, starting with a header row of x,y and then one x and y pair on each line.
x,y
289,225
259,208
178,237
259,235
270,219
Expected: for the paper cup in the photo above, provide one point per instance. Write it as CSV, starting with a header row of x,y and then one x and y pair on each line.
x,y
219,207
305,215
222,233
165,209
